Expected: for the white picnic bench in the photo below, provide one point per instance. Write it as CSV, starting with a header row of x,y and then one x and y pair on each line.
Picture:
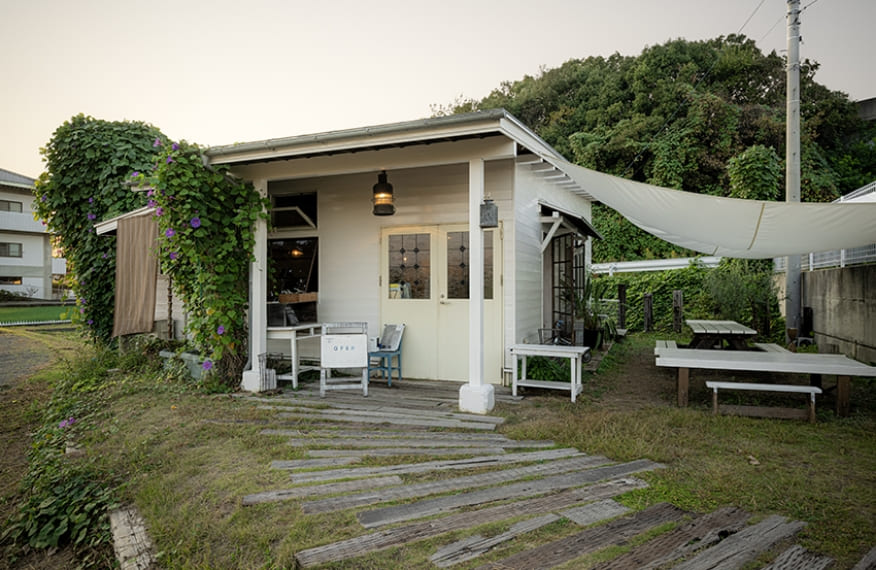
x,y
708,334
577,356
773,359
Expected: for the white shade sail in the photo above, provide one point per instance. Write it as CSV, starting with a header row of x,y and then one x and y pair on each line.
x,y
729,226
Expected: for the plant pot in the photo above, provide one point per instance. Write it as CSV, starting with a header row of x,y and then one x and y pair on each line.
x,y
590,337
193,362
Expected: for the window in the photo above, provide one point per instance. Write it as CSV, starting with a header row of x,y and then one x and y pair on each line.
x,y
6,280
294,211
458,265
293,277
410,266
10,249
10,206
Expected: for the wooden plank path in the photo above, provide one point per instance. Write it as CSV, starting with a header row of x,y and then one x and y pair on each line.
x,y
405,439
428,466
417,490
529,488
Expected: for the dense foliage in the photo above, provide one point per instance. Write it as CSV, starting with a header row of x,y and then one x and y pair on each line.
x,y
87,162
206,223
738,289
677,115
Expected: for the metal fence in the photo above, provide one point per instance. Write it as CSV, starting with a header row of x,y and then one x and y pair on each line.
x,y
824,259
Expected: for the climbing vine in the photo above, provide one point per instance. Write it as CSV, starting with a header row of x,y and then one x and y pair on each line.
x,y
87,161
206,221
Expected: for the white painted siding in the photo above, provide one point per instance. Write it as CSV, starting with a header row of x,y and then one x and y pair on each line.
x,y
349,235
35,264
529,270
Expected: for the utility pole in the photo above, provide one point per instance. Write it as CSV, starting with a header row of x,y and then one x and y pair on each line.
x,y
792,161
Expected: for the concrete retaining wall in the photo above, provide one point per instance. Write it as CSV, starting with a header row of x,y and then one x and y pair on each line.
x,y
843,303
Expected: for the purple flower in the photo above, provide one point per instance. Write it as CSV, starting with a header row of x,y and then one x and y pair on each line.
x,y
196,222
91,200
207,365
43,198
81,310
105,256
90,321
169,232
150,192
174,146
220,330
159,210
156,143
173,255
91,216
151,203
135,174
67,423
169,160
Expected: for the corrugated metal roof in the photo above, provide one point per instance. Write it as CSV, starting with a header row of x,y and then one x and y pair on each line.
x,y
9,178
478,124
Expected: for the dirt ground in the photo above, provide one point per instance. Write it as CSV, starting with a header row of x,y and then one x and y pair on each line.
x,y
20,358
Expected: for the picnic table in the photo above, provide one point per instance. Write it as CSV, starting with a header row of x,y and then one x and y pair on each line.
x,y
685,359
712,334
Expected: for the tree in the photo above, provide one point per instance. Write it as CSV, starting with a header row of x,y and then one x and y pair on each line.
x,y
677,114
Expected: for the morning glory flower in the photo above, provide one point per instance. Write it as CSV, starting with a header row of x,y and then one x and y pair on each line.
x,y
169,232
196,222
174,146
156,143
159,210
91,216
152,203
150,192
90,321
220,330
169,160
135,174
91,200
173,255
207,365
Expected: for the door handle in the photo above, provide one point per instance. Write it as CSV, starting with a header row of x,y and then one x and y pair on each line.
x,y
442,300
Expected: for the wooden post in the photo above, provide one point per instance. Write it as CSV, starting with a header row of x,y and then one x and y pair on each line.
x,y
621,305
647,309
843,392
683,384
677,310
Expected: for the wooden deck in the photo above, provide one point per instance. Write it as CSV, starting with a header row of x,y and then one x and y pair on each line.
x,y
517,487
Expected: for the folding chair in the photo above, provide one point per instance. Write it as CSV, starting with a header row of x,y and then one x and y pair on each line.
x,y
389,346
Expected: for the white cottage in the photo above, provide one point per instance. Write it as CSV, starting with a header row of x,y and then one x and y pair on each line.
x,y
339,250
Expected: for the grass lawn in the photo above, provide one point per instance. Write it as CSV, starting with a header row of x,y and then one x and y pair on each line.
x,y
186,459
16,314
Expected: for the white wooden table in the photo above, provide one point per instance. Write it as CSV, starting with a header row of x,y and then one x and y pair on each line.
x,y
709,333
294,334
832,364
575,354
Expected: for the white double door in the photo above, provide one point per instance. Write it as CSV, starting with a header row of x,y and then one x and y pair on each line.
x,y
425,284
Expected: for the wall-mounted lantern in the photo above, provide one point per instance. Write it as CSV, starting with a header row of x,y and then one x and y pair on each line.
x,y
489,214
383,198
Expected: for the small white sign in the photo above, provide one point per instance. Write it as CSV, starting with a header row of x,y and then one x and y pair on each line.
x,y
344,350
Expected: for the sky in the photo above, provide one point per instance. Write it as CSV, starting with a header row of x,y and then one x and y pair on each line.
x,y
218,72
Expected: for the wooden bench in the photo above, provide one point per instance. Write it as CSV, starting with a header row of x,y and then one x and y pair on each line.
x,y
773,361
577,356
760,411
770,347
663,345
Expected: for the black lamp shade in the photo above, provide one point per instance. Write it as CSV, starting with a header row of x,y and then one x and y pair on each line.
x,y
383,198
